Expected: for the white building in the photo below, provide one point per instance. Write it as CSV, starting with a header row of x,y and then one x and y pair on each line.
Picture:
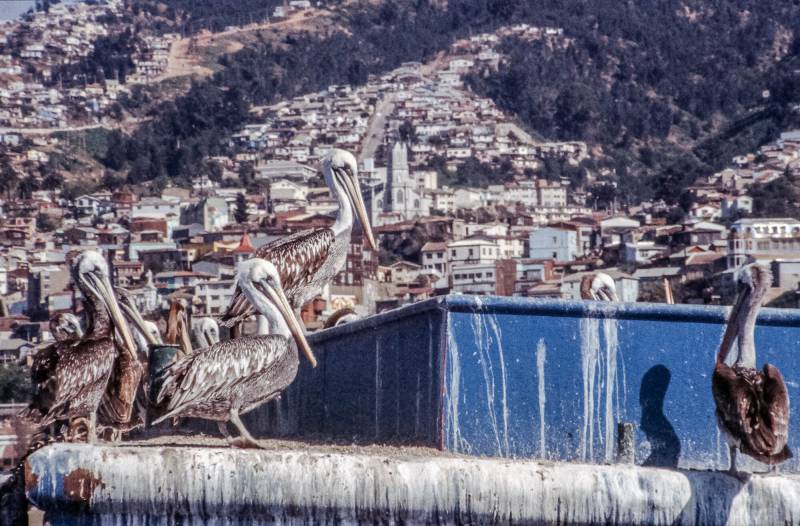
x,y
215,295
765,239
553,243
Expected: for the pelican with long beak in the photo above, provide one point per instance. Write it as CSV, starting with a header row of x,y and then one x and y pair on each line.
x,y
233,377
206,332
309,260
599,286
71,376
123,407
178,327
752,405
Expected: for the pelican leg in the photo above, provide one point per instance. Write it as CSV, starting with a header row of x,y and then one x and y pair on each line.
x,y
91,430
223,429
246,440
732,471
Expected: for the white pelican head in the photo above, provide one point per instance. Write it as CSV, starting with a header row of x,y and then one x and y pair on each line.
x,y
90,273
65,326
599,286
206,332
341,175
261,284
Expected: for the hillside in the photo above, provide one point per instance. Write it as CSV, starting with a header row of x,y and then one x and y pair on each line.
x,y
667,91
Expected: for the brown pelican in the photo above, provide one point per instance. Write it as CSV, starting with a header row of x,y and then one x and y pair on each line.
x,y
598,286
309,260
235,376
178,326
123,407
71,376
206,332
752,405
65,326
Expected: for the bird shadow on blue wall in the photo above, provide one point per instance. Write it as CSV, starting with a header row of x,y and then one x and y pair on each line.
x,y
665,448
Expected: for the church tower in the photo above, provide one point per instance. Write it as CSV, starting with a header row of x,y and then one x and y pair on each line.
x,y
401,194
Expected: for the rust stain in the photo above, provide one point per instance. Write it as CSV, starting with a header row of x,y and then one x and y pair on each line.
x,y
79,485
31,478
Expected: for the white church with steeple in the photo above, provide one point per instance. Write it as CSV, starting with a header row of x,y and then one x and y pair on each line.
x,y
402,197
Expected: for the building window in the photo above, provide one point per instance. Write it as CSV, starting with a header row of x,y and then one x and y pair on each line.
x,y
428,256
399,196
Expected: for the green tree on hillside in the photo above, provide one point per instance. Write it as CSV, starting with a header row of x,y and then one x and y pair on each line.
x,y
240,212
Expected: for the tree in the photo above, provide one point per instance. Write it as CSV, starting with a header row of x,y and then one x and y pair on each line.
x,y
26,187
247,174
240,213
45,223
15,384
8,176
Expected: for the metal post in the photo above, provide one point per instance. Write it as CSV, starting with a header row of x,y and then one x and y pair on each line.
x,y
626,442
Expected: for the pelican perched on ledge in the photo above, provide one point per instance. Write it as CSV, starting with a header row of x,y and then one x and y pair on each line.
x,y
308,260
599,286
71,376
752,405
233,377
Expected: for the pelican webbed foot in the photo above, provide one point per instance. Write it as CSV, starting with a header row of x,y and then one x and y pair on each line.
x,y
245,440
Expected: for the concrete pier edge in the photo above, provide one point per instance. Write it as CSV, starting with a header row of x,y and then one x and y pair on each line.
x,y
83,484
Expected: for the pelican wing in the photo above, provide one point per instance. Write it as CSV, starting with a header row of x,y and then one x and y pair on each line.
x,y
211,373
754,408
297,257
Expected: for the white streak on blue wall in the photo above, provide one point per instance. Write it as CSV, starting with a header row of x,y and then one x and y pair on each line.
x,y
590,350
541,357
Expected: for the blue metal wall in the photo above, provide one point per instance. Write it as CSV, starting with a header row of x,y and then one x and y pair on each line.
x,y
529,378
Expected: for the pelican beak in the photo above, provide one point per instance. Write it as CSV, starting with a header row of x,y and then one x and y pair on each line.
x,y
135,316
732,329
351,185
278,298
186,342
102,288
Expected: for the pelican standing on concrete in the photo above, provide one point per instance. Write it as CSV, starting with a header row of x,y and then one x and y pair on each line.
x,y
71,376
598,286
309,260
752,405
233,377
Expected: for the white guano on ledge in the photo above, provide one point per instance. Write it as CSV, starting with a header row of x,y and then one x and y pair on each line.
x,y
80,484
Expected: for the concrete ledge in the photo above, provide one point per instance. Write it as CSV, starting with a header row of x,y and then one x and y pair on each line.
x,y
301,484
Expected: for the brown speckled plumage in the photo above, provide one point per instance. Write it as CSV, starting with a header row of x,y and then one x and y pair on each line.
x,y
238,374
306,261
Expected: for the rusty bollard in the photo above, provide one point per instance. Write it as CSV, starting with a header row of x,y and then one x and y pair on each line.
x,y
626,442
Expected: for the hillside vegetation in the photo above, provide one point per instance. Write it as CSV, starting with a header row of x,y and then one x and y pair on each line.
x,y
669,90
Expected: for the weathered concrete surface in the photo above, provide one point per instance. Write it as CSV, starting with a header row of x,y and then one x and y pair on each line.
x,y
80,484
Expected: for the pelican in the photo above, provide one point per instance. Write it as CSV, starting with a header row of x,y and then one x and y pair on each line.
x,y
752,405
70,376
65,326
341,317
309,260
124,403
178,327
233,377
206,332
598,286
